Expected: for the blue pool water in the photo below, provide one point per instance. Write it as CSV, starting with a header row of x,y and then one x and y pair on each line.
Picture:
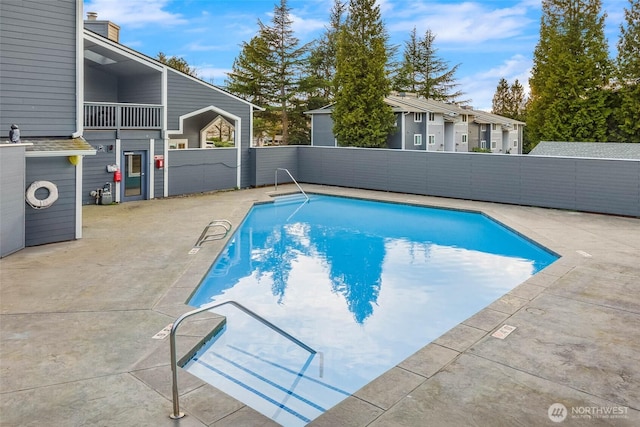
x,y
365,284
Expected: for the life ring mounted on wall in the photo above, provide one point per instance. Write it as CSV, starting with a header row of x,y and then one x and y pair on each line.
x,y
36,203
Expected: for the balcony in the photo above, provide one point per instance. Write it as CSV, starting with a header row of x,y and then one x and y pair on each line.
x,y
104,115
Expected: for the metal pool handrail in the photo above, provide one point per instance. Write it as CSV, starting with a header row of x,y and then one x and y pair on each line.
x,y
172,344
292,178
225,224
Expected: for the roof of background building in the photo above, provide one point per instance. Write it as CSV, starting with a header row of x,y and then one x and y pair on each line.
x,y
604,150
408,102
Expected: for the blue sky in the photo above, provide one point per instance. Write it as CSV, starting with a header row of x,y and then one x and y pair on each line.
x,y
490,39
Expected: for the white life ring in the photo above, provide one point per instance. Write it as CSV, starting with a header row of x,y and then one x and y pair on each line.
x,y
36,203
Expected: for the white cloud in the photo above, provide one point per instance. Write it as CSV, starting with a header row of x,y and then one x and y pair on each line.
x,y
199,47
136,13
480,87
302,26
212,75
468,22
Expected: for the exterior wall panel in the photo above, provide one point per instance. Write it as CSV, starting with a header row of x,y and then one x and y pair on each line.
x,y
549,182
322,131
495,177
186,95
268,159
371,172
449,175
57,222
12,205
38,66
407,172
201,170
608,186
141,89
591,185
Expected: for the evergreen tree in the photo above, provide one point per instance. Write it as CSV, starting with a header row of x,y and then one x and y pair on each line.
x,y
321,70
423,72
360,115
269,67
249,79
628,75
518,101
177,63
570,73
501,99
250,71
509,100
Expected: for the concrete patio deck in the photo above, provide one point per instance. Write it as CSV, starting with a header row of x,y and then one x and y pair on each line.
x,y
77,320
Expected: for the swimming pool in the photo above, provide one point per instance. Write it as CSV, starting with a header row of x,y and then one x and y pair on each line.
x,y
365,284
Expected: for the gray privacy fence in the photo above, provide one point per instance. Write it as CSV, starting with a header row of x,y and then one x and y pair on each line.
x,y
201,170
589,185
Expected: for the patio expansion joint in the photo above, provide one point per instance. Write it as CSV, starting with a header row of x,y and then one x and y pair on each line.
x,y
549,292
533,374
46,313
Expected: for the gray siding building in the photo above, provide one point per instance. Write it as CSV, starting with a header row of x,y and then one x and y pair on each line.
x,y
428,125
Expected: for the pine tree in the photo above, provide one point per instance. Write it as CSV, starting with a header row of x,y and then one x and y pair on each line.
x,y
424,73
501,99
361,117
321,69
628,75
518,101
268,68
570,73
177,63
249,74
509,100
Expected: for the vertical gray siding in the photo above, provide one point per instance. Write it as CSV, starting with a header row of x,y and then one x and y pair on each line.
x,y
12,207
202,170
38,66
186,95
56,223
590,185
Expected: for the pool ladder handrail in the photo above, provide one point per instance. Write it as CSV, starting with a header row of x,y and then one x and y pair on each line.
x,y
292,178
205,237
172,344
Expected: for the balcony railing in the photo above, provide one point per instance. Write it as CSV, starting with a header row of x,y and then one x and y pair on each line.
x,y
103,115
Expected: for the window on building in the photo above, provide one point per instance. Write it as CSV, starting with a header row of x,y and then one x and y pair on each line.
x,y
432,140
483,144
417,117
464,138
483,128
494,126
417,139
464,117
515,142
515,126
494,145
432,117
